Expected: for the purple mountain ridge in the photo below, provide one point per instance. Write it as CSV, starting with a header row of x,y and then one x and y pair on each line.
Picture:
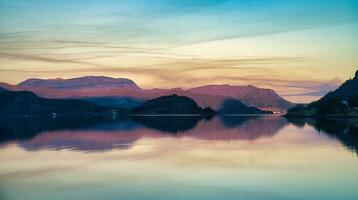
x,y
109,90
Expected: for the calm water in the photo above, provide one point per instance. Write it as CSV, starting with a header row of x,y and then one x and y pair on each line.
x,y
227,157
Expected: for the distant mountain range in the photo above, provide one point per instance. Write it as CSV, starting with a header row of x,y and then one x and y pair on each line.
x,y
341,102
28,103
126,93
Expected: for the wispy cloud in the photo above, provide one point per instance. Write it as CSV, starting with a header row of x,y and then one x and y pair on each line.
x,y
179,72
29,57
169,64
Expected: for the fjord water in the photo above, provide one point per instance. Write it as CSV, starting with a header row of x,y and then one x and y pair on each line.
x,y
187,157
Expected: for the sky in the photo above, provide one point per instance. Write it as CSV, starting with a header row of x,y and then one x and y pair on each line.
x,y
300,48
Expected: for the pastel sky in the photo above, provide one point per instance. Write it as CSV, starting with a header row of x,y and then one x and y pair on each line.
x,y
300,48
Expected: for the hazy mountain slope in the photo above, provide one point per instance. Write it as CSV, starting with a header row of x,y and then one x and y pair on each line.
x,y
233,106
249,95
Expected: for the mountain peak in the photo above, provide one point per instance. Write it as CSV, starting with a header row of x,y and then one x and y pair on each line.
x,y
81,82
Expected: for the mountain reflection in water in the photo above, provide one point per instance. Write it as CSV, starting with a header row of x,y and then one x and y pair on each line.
x,y
343,129
102,134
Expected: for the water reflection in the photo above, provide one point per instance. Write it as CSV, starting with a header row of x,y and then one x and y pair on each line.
x,y
23,128
226,157
343,129
169,124
102,134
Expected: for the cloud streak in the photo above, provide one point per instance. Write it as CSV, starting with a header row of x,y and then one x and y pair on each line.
x,y
170,64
